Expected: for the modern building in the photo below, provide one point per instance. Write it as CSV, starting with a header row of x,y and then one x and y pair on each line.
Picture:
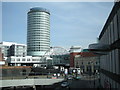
x,y
56,56
18,50
1,55
5,48
13,49
2,62
87,62
38,31
61,59
74,50
108,49
24,61
110,63
16,55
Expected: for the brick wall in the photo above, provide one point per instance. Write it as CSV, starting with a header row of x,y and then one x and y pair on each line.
x,y
72,57
1,55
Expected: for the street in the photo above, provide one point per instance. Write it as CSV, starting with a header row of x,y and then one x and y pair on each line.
x,y
75,84
84,82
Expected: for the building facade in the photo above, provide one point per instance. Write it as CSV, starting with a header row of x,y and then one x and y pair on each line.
x,y
38,31
74,50
2,62
18,50
13,49
1,56
24,61
61,59
5,46
87,62
110,63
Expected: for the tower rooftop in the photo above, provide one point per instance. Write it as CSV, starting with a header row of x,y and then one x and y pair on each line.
x,y
39,9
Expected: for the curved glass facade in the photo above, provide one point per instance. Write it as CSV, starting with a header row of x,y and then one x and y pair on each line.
x,y
38,31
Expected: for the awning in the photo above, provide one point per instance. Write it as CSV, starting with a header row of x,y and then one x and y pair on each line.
x,y
99,48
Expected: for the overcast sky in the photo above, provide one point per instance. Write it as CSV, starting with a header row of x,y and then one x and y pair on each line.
x,y
71,23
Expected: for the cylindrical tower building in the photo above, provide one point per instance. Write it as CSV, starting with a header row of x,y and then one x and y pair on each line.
x,y
38,31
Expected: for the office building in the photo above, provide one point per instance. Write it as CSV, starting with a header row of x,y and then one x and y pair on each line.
x,y
38,31
24,61
18,50
13,49
110,63
5,48
2,62
16,55
1,55
109,50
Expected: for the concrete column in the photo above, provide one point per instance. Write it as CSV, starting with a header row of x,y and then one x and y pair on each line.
x,y
34,87
92,67
85,68
14,88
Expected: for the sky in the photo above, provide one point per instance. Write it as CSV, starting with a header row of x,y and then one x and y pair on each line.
x,y
71,23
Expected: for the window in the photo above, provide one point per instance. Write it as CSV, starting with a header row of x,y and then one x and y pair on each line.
x,y
28,59
88,62
23,59
12,59
18,59
34,60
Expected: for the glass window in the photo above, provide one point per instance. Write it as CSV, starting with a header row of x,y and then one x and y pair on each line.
x,y
18,59
88,62
23,59
28,59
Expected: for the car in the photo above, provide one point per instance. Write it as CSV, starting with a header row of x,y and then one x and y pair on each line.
x,y
77,78
69,77
65,84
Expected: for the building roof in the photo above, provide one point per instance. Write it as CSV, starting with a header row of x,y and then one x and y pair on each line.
x,y
85,50
7,43
14,67
10,43
39,9
75,49
110,18
87,54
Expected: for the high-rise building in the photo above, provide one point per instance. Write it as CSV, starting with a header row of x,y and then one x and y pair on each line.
x,y
38,31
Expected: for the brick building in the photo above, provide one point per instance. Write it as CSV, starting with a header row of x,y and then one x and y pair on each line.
x,y
1,56
74,50
87,62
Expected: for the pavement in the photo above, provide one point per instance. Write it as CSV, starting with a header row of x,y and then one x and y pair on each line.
x,y
85,82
